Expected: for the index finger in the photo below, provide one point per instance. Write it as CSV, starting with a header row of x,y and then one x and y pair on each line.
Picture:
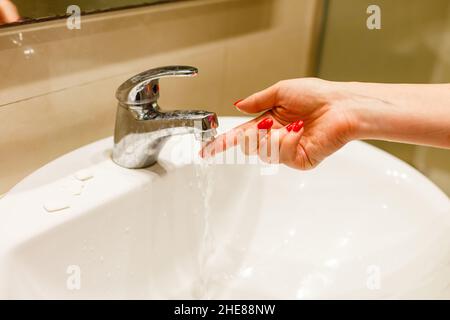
x,y
231,138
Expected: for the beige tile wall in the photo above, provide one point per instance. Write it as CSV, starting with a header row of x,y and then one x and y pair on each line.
x,y
57,85
413,45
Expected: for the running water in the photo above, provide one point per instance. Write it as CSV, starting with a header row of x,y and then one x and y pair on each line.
x,y
205,182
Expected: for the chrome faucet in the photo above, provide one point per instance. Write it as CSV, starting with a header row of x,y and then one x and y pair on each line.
x,y
142,128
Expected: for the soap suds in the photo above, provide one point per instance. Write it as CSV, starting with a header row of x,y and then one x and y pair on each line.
x,y
64,192
74,187
83,175
56,205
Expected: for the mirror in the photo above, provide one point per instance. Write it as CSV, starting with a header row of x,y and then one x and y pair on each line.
x,y
14,12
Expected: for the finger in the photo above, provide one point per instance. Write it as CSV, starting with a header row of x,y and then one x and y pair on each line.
x,y
234,136
8,12
253,135
268,149
279,146
249,141
292,153
260,101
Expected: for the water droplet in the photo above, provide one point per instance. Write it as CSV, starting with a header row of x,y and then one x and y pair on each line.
x,y
28,52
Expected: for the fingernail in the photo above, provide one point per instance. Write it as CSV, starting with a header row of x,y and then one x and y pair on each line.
x,y
296,127
236,103
265,124
289,127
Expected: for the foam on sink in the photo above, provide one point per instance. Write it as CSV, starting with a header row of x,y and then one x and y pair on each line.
x,y
63,193
56,205
74,187
77,190
83,175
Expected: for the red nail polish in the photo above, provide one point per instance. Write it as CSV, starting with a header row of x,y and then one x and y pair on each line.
x,y
296,127
236,103
265,124
289,127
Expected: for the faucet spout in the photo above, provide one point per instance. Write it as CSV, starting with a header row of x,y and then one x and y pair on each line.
x,y
202,124
189,121
142,128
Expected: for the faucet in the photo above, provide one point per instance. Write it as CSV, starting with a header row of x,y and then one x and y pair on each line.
x,y
142,128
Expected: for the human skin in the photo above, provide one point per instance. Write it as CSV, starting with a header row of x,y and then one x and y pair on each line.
x,y
334,113
8,12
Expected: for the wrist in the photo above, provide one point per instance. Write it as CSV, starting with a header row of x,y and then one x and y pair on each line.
x,y
365,115
354,115
368,117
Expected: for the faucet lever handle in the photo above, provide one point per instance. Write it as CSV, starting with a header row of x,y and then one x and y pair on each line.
x,y
143,88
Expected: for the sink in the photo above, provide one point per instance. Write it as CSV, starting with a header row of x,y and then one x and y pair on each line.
x,y
361,225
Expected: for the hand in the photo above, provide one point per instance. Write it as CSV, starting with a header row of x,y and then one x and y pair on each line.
x,y
8,12
307,116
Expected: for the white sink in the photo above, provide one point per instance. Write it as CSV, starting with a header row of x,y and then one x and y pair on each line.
x,y
361,225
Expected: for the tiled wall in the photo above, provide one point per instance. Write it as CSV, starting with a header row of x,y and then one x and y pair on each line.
x,y
48,8
413,45
57,85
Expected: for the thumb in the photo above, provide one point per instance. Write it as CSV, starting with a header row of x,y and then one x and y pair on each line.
x,y
260,101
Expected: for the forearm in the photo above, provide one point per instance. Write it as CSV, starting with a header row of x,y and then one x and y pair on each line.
x,y
412,113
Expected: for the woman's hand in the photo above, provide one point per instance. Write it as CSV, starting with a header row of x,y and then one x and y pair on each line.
x,y
307,117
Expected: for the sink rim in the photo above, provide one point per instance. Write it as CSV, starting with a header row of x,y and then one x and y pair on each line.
x,y
38,177
95,154
89,155
98,154
18,207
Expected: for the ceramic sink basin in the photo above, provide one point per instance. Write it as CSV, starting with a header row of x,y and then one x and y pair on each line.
x,y
361,225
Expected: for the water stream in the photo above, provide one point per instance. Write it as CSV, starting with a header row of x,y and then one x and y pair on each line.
x,y
205,182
